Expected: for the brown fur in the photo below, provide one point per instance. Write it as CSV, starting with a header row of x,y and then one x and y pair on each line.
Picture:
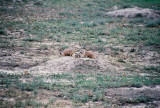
x,y
89,54
26,72
67,52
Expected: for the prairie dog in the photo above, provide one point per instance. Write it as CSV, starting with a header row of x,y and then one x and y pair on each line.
x,y
89,54
76,55
68,52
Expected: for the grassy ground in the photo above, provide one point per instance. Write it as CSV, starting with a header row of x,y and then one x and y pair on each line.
x,y
44,91
32,32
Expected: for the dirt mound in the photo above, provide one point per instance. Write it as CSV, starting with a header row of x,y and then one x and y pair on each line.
x,y
135,12
71,64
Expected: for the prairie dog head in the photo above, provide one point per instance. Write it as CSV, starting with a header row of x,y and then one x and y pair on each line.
x,y
76,55
82,52
79,53
89,54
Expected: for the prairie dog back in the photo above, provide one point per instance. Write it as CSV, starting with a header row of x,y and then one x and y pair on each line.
x,y
89,54
68,52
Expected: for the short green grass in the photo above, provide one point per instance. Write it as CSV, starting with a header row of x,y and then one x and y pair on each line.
x,y
142,99
138,35
152,69
86,24
81,88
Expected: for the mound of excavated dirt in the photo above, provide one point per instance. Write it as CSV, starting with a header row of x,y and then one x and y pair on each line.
x,y
135,12
71,64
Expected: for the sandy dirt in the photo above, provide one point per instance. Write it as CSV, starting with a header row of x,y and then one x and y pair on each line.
x,y
135,12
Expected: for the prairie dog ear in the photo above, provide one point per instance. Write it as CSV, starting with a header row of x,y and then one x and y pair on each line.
x,y
82,53
75,55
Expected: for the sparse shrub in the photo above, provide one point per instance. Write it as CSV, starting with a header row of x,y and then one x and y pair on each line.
x,y
22,52
51,36
137,20
100,21
20,104
100,40
38,3
2,32
88,4
74,23
134,84
152,68
80,98
98,96
138,15
25,44
68,14
4,43
121,60
126,6
64,47
33,103
99,48
153,23
136,100
33,39
98,14
143,35
153,40
43,47
89,24
58,40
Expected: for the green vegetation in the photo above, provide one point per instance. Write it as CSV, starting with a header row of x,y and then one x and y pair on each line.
x,y
152,69
139,35
154,23
86,24
78,87
137,100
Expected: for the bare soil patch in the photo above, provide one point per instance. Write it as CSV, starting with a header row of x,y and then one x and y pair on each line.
x,y
133,95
